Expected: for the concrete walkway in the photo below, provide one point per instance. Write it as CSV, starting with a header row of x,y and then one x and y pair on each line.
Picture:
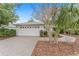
x,y
17,46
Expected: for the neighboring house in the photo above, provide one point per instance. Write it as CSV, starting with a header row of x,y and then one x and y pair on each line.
x,y
29,28
9,26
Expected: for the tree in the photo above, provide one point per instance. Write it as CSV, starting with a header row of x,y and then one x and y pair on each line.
x,y
46,13
69,14
7,13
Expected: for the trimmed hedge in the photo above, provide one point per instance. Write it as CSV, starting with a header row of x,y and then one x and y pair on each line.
x,y
7,32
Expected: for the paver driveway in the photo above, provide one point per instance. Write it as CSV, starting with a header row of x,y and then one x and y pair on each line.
x,y
17,46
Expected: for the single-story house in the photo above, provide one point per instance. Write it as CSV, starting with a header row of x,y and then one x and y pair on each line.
x,y
29,28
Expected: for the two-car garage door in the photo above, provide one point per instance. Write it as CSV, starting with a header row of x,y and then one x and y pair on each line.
x,y
28,32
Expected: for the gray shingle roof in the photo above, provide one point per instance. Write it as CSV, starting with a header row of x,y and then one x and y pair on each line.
x,y
30,23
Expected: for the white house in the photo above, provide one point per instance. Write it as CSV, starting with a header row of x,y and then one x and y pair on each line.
x,y
29,28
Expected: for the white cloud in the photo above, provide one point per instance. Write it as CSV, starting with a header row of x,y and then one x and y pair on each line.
x,y
21,21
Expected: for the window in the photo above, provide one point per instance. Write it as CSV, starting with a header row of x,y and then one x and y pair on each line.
x,y
23,27
38,26
30,27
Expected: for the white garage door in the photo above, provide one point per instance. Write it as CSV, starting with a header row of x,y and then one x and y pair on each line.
x,y
28,32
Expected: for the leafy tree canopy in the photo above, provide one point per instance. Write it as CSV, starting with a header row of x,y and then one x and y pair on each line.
x,y
7,13
69,14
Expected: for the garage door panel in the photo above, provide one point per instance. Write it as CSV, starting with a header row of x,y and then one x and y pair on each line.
x,y
28,32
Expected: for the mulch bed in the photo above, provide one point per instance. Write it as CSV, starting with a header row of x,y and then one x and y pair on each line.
x,y
44,48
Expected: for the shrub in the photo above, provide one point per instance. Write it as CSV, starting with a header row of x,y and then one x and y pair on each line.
x,y
43,33
76,32
13,32
7,32
71,31
1,31
61,31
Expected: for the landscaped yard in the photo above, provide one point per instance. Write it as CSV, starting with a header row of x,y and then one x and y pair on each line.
x,y
44,48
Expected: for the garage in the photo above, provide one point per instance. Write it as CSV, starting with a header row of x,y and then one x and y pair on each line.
x,y
28,32
29,29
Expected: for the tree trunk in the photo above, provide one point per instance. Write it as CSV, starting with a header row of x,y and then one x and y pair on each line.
x,y
56,38
50,35
51,38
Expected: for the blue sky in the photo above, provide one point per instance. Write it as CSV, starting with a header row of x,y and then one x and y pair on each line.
x,y
25,11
